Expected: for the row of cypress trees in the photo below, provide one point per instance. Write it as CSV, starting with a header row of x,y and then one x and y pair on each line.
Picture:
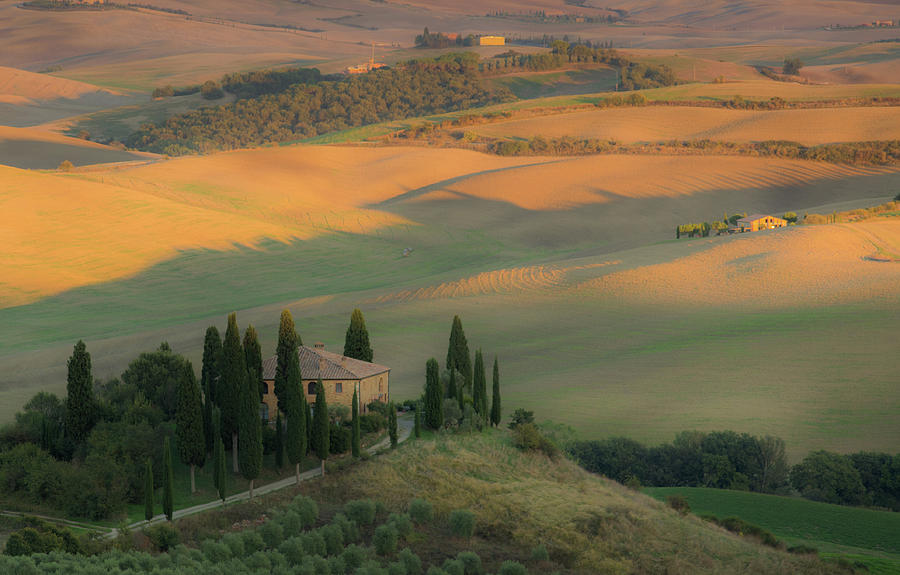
x,y
474,379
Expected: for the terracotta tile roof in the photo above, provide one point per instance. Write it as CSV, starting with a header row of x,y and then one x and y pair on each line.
x,y
316,363
757,217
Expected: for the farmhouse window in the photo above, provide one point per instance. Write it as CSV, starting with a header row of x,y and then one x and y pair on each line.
x,y
339,387
311,388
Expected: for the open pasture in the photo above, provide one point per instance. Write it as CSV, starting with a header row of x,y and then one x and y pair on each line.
x,y
36,149
654,123
557,83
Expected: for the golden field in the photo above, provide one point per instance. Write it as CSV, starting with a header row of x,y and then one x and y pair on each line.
x,y
660,123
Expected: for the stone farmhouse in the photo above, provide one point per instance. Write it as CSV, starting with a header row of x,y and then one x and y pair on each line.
x,y
757,222
340,375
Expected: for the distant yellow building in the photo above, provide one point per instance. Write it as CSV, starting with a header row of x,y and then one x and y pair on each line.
x,y
758,222
491,41
340,376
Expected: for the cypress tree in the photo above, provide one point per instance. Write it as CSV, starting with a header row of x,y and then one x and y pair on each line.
x,y
458,353
210,372
234,375
287,368
279,442
81,407
168,480
479,387
451,385
296,431
148,490
354,441
392,424
309,423
356,342
417,428
189,422
321,430
220,477
250,431
434,396
253,359
496,412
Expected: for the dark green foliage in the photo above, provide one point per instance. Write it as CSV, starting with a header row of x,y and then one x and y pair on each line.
x,y
349,528
416,88
259,82
410,561
512,568
417,424
679,503
385,539
189,421
479,388
287,368
148,491
791,66
355,425
741,527
279,442
402,523
539,553
420,511
296,440
209,379
458,357
211,90
361,510
462,523
156,376
451,390
253,358
372,422
321,425
528,437
356,342
496,410
162,536
37,536
828,477
453,567
340,438
471,562
521,416
392,424
81,406
880,476
168,480
250,430
434,396
234,376
219,477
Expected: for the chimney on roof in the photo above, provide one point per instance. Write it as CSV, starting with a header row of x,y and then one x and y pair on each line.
x,y
319,345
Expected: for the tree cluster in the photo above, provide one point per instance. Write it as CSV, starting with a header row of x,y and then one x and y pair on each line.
x,y
863,478
416,88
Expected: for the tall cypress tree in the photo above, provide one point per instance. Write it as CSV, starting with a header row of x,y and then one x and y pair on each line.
x,y
458,353
250,431
356,342
309,423
220,476
321,425
148,490
81,407
189,422
496,413
287,367
434,396
279,442
451,385
210,372
479,387
392,424
234,375
253,359
354,439
168,480
297,423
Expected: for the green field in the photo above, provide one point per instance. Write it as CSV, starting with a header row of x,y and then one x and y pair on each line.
x,y
558,83
872,537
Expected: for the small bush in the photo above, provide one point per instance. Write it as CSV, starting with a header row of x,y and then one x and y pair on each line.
x,y
211,91
420,511
235,544
292,549
307,509
435,570
291,523
521,416
334,539
253,541
272,534
633,483
454,567
401,523
540,553
802,550
512,568
372,422
462,523
471,561
411,561
385,539
528,437
679,503
314,544
349,528
215,551
353,556
361,510
66,166
163,536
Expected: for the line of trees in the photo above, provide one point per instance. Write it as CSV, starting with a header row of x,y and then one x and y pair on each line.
x,y
458,397
740,461
302,110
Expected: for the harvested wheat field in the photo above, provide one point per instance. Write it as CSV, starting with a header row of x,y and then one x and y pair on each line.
x,y
797,266
565,184
653,124
23,87
31,148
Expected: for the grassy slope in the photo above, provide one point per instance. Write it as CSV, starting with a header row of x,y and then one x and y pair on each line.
x,y
872,535
557,83
588,523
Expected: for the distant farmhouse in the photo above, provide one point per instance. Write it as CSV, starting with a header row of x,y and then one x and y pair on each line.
x,y
758,222
340,376
492,41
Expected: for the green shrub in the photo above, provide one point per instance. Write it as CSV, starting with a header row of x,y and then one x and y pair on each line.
x,y
334,539
314,544
540,553
679,503
349,528
435,570
253,541
411,561
385,539
307,509
420,510
235,544
512,568
361,510
372,422
402,523
291,522
454,567
162,535
462,523
292,549
211,91
353,556
527,437
215,551
802,550
272,534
